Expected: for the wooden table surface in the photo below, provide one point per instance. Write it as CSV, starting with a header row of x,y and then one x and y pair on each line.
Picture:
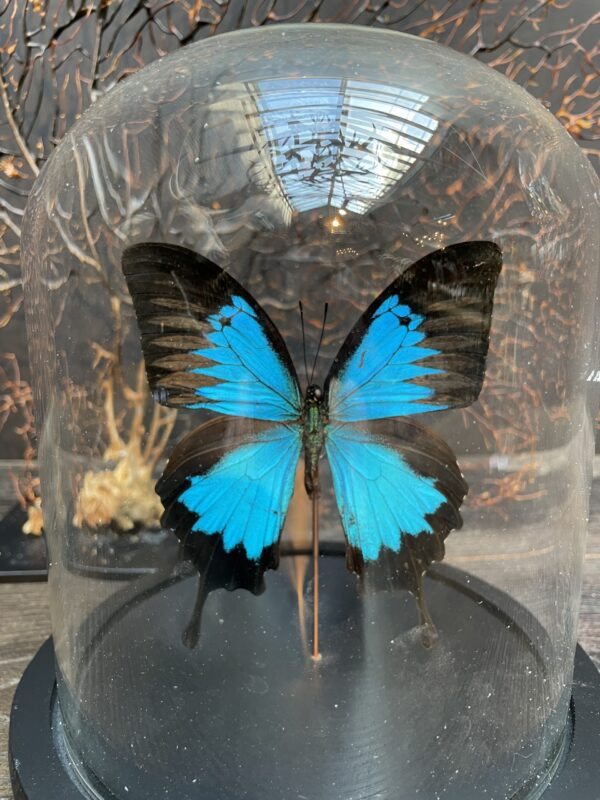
x,y
25,624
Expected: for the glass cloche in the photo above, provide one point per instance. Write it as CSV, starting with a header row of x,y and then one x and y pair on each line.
x,y
312,315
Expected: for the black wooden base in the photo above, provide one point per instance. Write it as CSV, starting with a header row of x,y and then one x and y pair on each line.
x,y
40,768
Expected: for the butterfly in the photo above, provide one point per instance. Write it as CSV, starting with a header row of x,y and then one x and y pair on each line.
x,y
420,347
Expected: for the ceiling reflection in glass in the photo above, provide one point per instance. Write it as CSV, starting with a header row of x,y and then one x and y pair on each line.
x,y
341,144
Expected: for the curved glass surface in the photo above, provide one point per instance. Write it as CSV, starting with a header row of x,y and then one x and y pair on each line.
x,y
315,165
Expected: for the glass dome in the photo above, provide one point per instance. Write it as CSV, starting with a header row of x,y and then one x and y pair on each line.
x,y
325,297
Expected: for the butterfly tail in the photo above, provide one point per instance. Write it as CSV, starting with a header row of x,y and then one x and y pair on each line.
x,y
217,568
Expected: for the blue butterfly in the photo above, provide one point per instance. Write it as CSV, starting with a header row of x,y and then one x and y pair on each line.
x,y
420,347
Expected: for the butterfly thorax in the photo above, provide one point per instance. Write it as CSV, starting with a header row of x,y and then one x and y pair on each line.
x,y
314,417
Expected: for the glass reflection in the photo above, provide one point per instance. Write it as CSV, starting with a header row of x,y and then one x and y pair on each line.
x,y
340,143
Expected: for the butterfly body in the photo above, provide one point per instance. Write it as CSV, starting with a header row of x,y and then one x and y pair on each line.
x,y
314,420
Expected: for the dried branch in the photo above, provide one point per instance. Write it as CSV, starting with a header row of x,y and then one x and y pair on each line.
x,y
22,145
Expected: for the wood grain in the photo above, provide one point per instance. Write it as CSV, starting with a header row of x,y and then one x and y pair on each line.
x,y
25,623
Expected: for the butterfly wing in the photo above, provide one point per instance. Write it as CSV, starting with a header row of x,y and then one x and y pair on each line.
x,y
226,490
399,490
207,343
422,344
234,481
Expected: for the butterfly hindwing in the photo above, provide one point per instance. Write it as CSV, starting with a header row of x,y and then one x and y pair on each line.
x,y
207,343
422,344
235,477
226,490
399,490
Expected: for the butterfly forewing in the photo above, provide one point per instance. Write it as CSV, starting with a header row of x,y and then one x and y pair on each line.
x,y
207,343
422,344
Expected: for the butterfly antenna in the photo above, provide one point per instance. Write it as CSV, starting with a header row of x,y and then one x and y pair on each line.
x,y
320,341
303,340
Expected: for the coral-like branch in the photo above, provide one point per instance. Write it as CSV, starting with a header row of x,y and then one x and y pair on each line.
x,y
122,495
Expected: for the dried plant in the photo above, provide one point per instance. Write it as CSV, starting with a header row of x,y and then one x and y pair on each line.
x,y
122,496
34,525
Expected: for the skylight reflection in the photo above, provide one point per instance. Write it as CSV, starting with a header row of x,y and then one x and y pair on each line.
x,y
342,144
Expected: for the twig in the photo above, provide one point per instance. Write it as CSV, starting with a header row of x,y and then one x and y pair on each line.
x,y
22,145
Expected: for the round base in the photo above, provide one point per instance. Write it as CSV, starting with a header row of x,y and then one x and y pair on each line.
x,y
41,768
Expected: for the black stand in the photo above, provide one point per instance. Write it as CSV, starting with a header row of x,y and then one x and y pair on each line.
x,y
40,768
